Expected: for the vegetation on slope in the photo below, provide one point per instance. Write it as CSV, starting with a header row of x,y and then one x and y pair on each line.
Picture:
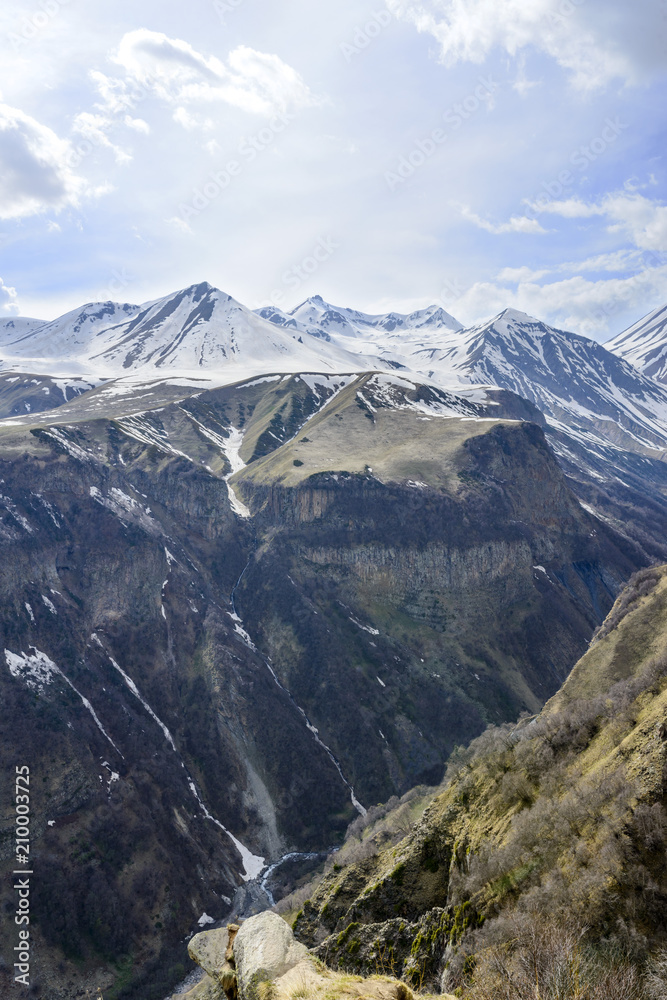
x,y
539,869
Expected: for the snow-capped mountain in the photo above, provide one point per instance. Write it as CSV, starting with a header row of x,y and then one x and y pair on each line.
x,y
201,332
573,380
197,329
644,344
384,334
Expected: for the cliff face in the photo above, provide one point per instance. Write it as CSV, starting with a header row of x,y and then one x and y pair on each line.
x,y
427,612
185,654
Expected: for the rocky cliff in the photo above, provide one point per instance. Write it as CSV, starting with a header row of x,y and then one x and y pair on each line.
x,y
206,665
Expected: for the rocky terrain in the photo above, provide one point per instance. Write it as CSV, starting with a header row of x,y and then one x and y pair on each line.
x,y
262,959
543,853
238,614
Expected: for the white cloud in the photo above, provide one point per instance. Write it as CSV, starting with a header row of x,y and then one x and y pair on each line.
x,y
137,124
8,300
35,171
189,121
517,224
175,72
516,274
595,41
575,303
569,208
642,221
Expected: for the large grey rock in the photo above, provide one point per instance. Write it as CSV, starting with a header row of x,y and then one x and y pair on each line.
x,y
264,949
212,951
208,949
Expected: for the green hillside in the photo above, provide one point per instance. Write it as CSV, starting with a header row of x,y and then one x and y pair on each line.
x,y
543,857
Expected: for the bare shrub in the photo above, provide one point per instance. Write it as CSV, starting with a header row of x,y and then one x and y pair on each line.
x,y
523,958
656,977
649,825
639,585
295,900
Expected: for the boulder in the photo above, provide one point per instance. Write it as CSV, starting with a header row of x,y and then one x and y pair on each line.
x,y
264,949
212,951
209,949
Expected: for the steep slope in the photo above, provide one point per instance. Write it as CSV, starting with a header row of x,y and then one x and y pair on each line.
x,y
574,381
548,833
297,639
425,530
644,344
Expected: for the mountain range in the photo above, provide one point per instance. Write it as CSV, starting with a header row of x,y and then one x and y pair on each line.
x,y
201,332
262,570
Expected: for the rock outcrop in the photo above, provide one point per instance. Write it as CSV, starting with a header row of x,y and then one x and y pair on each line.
x,y
271,965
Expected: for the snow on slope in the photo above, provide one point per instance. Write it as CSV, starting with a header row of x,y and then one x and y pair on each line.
x,y
644,344
16,326
384,335
573,380
201,333
198,328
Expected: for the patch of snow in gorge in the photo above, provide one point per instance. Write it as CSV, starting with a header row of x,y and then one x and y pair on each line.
x,y
49,604
231,447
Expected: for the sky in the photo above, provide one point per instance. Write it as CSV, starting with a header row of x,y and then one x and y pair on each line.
x,y
475,154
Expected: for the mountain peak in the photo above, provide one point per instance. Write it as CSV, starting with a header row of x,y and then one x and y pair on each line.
x,y
511,315
200,290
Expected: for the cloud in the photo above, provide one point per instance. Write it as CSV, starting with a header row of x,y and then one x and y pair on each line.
x,y
569,208
517,224
35,171
190,122
575,303
8,300
641,220
137,124
516,274
175,72
594,41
